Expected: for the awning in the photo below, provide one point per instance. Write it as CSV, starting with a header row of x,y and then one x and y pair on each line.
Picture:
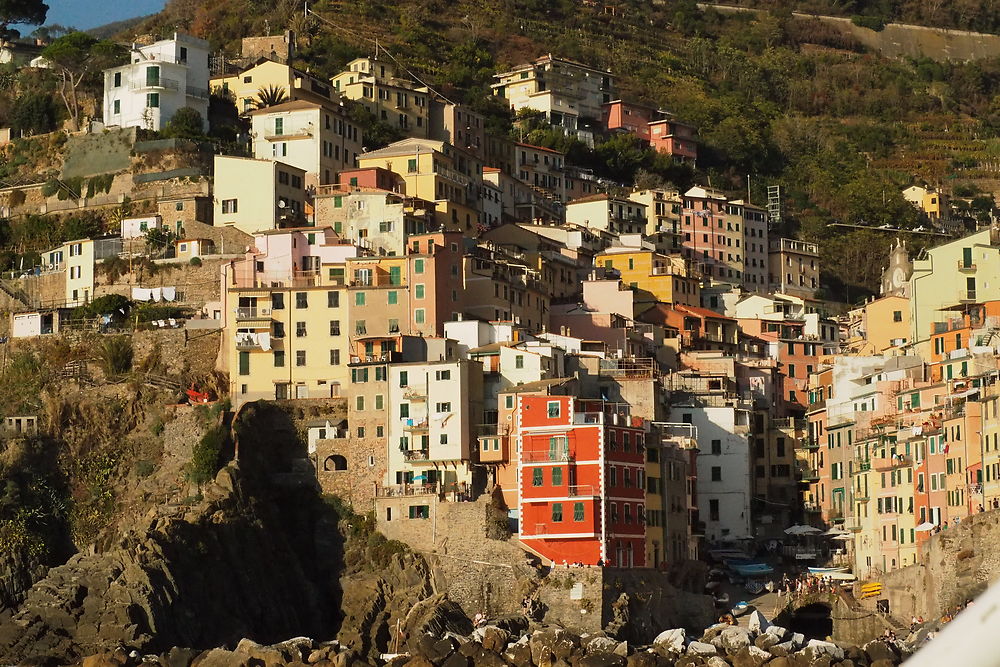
x,y
924,527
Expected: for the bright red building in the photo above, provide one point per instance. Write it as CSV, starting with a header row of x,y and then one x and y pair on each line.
x,y
581,473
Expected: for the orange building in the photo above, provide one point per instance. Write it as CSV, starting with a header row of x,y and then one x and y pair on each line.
x,y
582,480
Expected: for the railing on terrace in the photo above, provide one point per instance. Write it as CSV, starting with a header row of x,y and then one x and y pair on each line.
x,y
890,462
416,454
588,418
143,84
545,455
392,491
581,490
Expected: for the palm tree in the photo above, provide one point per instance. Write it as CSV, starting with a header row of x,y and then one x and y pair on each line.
x,y
270,96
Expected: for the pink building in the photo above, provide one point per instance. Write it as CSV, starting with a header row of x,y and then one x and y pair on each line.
x,y
372,177
633,118
675,139
289,256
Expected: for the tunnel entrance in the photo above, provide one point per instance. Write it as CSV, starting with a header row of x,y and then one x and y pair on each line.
x,y
813,621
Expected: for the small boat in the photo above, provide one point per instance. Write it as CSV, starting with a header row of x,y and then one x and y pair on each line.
x,y
827,570
753,569
741,608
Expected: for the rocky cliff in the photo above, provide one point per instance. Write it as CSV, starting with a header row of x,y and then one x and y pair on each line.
x,y
201,575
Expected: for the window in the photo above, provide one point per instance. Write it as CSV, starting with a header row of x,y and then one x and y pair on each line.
x,y
418,266
442,375
279,129
277,301
334,357
897,316
359,328
519,361
359,298
300,329
411,165
443,439
278,329
443,407
116,107
300,357
717,447
553,409
279,358
536,477
418,291
716,473
118,79
419,315
393,297
558,448
713,509
153,100
153,75
334,327
578,512
244,363
229,206
557,515
557,476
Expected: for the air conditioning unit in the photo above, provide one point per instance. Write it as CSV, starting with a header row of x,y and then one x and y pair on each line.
x,y
266,312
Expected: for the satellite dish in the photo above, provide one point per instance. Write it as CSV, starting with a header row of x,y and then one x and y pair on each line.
x,y
282,203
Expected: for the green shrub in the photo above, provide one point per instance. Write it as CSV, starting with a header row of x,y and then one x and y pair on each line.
x,y
116,355
207,455
143,468
195,261
876,23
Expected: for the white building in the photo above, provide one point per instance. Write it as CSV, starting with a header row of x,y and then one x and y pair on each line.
x,y
605,213
724,483
380,220
316,138
256,195
434,408
564,90
136,228
161,78
76,260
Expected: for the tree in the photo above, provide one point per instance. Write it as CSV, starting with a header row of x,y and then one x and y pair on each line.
x,y
21,11
75,57
270,96
186,123
33,113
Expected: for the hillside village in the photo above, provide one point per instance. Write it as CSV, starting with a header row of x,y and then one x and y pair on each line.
x,y
637,375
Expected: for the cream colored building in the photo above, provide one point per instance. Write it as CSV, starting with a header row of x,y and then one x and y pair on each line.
x,y
438,172
605,213
564,90
663,211
317,138
377,219
246,85
393,99
254,195
793,267
75,259
434,410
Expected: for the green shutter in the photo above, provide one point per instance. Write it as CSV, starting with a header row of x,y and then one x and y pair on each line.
x,y
244,363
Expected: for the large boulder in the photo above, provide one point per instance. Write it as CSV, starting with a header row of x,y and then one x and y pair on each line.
x,y
519,653
820,648
642,659
494,638
601,660
778,632
672,640
218,657
552,644
733,639
429,648
751,656
716,661
598,644
701,648
757,622
765,641
880,650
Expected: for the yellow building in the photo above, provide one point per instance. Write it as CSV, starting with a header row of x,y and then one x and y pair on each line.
x,y
438,172
654,278
288,339
885,324
951,275
245,85
254,195
931,202
395,100
990,445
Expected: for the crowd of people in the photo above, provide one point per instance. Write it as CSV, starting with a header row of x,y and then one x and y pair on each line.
x,y
803,584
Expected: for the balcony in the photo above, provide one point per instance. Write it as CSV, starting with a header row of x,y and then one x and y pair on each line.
x,y
588,418
377,280
248,341
416,454
415,425
963,266
546,456
863,465
811,507
252,313
200,93
415,395
810,444
583,491
967,296
891,462
808,474
407,490
155,84
290,133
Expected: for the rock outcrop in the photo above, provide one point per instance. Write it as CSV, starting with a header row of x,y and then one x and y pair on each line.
x,y
228,567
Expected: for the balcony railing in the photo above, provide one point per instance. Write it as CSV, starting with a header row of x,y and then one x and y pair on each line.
x,y
416,454
161,84
252,313
200,93
963,266
415,425
581,491
407,490
248,341
542,456
808,474
890,462
812,507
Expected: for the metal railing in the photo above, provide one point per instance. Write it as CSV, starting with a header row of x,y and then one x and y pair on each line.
x,y
416,454
544,455
407,490
165,84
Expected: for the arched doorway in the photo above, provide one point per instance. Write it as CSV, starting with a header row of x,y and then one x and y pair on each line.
x,y
335,463
812,620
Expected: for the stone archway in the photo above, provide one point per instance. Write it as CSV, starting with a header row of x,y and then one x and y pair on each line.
x,y
335,463
812,620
